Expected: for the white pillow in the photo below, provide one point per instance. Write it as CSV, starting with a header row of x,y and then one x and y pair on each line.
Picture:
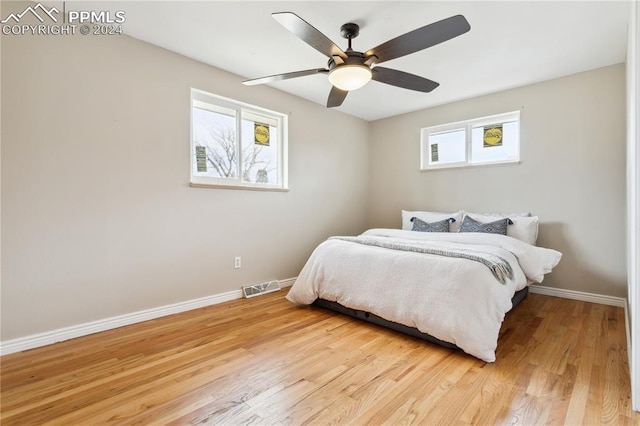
x,y
501,215
430,217
524,228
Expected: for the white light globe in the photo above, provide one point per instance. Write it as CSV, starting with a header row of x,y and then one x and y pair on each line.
x,y
350,77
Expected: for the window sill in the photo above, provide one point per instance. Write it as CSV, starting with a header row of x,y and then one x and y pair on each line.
x,y
468,165
241,187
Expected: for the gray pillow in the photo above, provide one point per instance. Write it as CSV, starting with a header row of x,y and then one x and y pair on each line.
x,y
497,227
422,226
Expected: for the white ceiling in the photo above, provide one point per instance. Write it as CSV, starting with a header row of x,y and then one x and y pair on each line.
x,y
511,43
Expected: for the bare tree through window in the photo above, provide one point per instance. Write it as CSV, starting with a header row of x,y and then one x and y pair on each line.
x,y
220,143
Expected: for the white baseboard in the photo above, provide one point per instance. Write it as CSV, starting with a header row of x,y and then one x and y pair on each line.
x,y
62,334
579,295
288,282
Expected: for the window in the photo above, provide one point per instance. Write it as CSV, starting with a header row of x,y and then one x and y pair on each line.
x,y
487,140
235,145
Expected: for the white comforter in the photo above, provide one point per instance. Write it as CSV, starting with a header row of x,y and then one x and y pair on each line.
x,y
456,300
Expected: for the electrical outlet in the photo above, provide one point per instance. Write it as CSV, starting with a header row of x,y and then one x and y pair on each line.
x,y
237,262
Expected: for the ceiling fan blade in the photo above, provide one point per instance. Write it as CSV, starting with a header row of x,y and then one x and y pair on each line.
x,y
419,39
403,79
309,34
336,97
285,76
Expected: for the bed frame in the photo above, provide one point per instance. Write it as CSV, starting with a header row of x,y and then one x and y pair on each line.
x,y
374,319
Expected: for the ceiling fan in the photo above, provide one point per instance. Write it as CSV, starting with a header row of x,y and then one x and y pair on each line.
x,y
350,70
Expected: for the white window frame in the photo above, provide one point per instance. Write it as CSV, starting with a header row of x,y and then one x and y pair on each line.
x,y
468,126
200,97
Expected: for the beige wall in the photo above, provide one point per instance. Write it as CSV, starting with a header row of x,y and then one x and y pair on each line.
x,y
572,172
98,219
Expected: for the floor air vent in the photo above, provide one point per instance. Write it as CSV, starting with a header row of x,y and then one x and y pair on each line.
x,y
262,288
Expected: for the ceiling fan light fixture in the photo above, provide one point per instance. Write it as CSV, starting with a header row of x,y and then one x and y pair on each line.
x,y
350,77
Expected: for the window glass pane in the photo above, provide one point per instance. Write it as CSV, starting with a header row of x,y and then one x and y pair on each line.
x,y
495,142
214,140
446,147
260,136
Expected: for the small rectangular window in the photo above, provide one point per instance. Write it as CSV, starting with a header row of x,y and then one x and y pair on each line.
x,y
487,140
236,145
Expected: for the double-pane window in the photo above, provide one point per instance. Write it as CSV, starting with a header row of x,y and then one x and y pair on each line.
x,y
487,140
236,145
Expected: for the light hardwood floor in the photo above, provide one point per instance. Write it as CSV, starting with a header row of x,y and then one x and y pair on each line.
x,y
266,361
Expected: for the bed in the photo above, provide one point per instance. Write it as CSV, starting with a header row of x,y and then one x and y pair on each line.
x,y
401,328
451,288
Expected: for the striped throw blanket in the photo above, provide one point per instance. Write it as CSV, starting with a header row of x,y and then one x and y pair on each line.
x,y
499,267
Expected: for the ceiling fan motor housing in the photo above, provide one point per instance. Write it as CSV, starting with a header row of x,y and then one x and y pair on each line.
x,y
353,58
351,70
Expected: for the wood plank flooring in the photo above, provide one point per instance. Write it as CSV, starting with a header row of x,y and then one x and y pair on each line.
x,y
266,361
